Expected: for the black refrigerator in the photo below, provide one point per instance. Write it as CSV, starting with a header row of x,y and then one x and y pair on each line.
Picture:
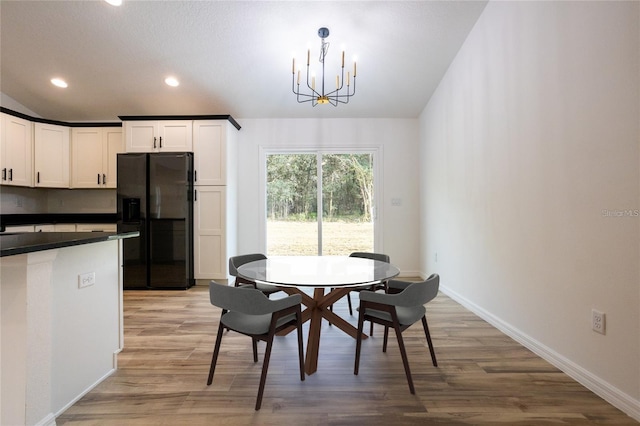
x,y
155,198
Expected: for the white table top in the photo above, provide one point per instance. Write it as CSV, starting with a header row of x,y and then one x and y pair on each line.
x,y
318,271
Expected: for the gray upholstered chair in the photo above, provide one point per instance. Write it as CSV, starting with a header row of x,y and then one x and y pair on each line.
x,y
373,256
248,311
236,261
398,311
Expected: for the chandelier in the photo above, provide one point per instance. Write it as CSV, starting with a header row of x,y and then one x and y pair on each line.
x,y
321,95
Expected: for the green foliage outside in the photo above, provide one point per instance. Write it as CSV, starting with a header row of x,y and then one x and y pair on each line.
x,y
347,184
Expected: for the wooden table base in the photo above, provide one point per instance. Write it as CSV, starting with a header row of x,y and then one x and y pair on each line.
x,y
318,308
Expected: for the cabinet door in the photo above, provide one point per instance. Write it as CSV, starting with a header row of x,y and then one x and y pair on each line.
x,y
86,157
209,248
209,152
51,148
112,145
141,136
16,149
175,136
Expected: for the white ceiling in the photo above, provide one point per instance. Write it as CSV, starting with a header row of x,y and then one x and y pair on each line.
x,y
231,57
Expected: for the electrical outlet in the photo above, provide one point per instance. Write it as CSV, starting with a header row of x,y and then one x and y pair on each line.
x,y
598,321
85,280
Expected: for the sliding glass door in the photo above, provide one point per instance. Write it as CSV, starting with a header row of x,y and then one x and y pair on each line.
x,y
342,184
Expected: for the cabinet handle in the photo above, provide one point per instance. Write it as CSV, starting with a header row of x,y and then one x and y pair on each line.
x,y
160,141
98,178
195,175
195,195
4,174
154,141
38,177
10,175
104,179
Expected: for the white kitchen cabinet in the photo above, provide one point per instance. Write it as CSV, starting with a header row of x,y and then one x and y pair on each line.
x,y
215,206
19,228
94,152
97,227
16,151
158,136
209,243
210,152
58,227
51,156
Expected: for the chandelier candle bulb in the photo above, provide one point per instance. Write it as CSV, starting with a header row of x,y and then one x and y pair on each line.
x,y
308,57
293,68
354,70
347,78
337,81
298,77
343,59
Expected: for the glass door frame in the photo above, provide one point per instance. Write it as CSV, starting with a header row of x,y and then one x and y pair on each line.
x,y
376,153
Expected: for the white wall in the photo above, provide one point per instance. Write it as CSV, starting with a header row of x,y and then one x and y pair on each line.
x,y
398,140
531,137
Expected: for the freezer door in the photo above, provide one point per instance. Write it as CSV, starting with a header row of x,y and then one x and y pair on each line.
x,y
132,187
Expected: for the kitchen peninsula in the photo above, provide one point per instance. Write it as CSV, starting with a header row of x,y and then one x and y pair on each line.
x,y
61,320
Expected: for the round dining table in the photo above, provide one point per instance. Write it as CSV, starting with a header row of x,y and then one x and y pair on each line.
x,y
337,274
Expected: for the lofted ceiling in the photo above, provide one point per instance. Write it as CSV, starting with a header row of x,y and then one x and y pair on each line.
x,y
231,57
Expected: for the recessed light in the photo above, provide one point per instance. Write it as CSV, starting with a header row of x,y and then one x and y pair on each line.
x,y
172,81
114,2
59,82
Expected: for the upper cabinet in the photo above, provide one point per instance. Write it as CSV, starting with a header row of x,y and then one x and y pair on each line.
x,y
94,152
158,136
51,156
16,151
210,152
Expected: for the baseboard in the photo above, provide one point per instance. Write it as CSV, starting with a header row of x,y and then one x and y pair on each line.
x,y
49,420
84,392
600,387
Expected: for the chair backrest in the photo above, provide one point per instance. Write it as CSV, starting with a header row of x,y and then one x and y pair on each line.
x,y
247,300
236,261
374,256
418,293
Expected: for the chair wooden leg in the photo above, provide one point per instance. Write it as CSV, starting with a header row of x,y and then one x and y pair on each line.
x,y
386,339
405,360
216,351
300,348
431,350
359,341
255,349
265,367
349,302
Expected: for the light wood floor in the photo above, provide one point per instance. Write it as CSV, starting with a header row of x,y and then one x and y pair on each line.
x,y
483,376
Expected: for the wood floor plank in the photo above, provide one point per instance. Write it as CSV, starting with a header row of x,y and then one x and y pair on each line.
x,y
483,378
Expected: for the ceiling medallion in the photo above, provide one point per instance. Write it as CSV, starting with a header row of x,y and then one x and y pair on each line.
x,y
321,96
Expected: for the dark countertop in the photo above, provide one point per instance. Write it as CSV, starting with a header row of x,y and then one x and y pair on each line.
x,y
21,243
46,218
